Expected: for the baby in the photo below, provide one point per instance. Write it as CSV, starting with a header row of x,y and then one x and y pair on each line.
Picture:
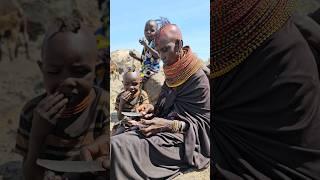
x,y
73,113
150,58
129,99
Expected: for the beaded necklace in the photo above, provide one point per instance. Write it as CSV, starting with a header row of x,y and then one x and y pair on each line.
x,y
179,72
238,27
74,110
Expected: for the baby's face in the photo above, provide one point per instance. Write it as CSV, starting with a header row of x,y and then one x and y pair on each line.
x,y
68,65
150,30
131,82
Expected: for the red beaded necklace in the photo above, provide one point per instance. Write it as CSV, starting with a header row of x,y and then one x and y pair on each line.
x,y
74,110
179,72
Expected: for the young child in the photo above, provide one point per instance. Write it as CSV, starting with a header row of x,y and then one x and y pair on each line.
x,y
72,113
129,99
150,58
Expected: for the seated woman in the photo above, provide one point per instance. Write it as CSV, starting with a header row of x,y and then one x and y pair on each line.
x,y
176,136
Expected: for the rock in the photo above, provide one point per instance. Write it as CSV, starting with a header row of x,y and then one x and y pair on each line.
x,y
153,86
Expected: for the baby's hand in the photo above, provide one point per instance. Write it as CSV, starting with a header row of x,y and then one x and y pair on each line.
x,y
143,42
49,175
46,114
98,151
126,96
50,108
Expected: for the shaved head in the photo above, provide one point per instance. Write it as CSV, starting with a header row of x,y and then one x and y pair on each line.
x,y
169,32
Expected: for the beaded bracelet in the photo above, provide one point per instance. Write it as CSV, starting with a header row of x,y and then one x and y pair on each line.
x,y
176,126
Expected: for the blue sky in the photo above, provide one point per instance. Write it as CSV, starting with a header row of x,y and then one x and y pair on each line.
x,y
128,17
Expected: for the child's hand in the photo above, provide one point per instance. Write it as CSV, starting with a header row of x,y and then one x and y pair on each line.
x,y
50,108
49,175
98,151
133,54
44,118
126,96
143,42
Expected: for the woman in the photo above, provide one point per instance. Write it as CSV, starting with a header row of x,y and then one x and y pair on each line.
x,y
176,136
266,94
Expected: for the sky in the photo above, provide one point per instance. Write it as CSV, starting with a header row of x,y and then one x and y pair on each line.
x,y
128,18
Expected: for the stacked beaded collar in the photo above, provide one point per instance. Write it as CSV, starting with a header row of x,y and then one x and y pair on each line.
x,y
73,111
238,27
179,72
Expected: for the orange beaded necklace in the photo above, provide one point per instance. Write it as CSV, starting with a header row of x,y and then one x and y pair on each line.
x,y
179,72
74,110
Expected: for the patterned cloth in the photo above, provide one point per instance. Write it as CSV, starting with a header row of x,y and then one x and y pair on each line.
x,y
149,63
60,145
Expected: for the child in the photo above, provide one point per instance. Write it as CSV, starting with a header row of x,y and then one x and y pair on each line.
x,y
150,58
72,113
129,99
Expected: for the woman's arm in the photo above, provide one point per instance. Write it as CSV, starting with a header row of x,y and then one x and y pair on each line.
x,y
157,125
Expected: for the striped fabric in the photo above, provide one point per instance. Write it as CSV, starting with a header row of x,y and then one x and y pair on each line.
x,y
129,106
59,145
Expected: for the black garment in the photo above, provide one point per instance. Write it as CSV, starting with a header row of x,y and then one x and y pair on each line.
x,y
266,113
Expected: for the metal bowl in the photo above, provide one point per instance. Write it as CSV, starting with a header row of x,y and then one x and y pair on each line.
x,y
131,114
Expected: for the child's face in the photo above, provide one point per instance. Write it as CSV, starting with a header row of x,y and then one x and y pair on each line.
x,y
131,82
150,30
68,64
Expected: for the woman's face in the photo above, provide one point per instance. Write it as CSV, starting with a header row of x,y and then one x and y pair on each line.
x,y
168,50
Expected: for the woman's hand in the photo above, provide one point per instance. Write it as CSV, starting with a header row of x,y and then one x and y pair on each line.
x,y
133,123
155,126
146,110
